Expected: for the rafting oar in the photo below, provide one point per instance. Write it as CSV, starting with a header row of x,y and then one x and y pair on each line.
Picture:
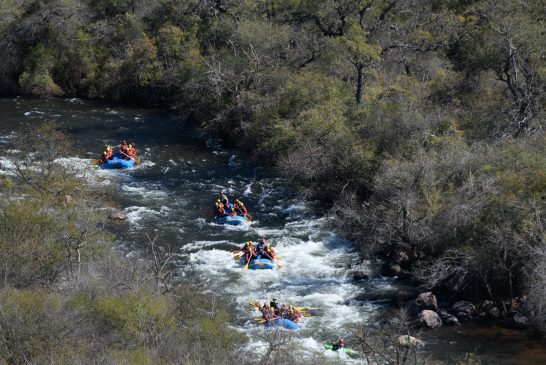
x,y
246,265
123,153
95,161
236,251
249,217
279,266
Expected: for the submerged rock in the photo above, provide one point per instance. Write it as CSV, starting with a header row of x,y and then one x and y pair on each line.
x,y
430,319
427,301
463,316
463,307
410,341
118,215
519,321
449,319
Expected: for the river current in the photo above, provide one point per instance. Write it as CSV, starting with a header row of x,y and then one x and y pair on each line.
x,y
170,195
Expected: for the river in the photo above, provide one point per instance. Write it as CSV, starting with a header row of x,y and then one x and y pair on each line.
x,y
170,196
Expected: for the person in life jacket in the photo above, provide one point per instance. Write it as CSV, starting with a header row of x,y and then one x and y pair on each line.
x,y
275,305
224,199
248,251
339,345
103,157
109,152
124,150
240,208
260,249
270,252
131,151
219,210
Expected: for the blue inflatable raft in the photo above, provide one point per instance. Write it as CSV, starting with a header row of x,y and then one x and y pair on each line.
x,y
284,323
258,264
118,163
234,220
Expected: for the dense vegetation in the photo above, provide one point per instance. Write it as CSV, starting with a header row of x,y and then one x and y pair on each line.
x,y
420,122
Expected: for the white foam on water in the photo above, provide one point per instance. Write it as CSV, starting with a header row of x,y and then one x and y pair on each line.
x,y
199,245
314,272
147,192
135,214
33,113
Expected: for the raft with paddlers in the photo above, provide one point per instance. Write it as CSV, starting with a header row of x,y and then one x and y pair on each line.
x,y
261,256
259,264
122,159
230,213
118,163
277,315
234,220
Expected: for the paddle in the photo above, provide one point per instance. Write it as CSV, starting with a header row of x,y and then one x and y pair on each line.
x,y
279,266
246,266
249,217
95,161
123,153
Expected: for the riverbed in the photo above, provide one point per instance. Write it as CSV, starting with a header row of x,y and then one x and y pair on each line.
x,y
171,193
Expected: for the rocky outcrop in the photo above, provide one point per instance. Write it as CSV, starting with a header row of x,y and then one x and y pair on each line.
x,y
429,319
426,301
410,341
449,319
117,215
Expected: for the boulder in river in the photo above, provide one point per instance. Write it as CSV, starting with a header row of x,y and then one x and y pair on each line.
x,y
519,321
410,341
117,215
430,319
449,319
464,307
427,301
463,316
493,313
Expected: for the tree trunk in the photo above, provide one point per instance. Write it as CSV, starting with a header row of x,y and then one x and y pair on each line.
x,y
359,83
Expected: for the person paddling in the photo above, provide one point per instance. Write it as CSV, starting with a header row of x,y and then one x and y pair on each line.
x,y
131,151
248,251
339,345
124,150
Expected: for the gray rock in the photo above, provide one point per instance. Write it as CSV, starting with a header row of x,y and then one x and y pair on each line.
x,y
359,275
520,321
118,215
68,200
493,313
427,301
464,306
410,341
486,305
449,319
430,319
463,316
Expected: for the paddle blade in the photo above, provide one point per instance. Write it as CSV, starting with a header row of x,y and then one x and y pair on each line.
x,y
249,217
95,161
246,267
